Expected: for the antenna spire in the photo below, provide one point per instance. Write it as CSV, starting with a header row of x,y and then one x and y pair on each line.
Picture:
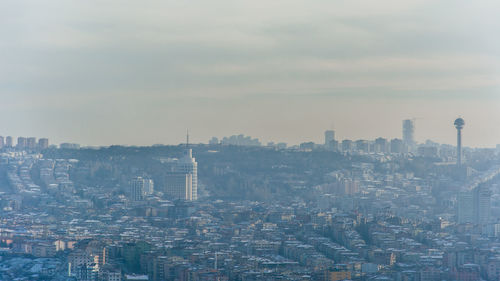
x,y
187,138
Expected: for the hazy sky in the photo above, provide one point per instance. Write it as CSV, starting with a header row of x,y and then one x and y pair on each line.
x,y
141,72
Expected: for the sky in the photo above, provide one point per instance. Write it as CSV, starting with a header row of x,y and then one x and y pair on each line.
x,y
142,72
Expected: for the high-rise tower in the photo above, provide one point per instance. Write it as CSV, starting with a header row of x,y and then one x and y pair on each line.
x,y
329,136
459,124
408,133
137,189
43,143
9,142
329,139
465,207
182,179
482,205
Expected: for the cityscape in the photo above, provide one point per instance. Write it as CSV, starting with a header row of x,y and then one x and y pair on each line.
x,y
238,210
284,140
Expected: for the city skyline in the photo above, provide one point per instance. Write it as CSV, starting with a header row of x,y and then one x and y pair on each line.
x,y
265,141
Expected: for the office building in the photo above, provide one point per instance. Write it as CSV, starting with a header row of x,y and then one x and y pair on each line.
x,y
69,145
482,205
43,143
362,146
346,145
2,143
137,189
9,142
474,206
381,145
179,186
181,181
240,140
31,143
397,146
427,151
465,208
409,134
334,145
329,138
21,143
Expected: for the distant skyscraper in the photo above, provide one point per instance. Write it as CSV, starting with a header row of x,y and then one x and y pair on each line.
x,y
213,141
381,145
409,133
482,205
362,146
67,145
459,124
182,180
179,186
397,146
43,143
9,142
465,208
31,143
329,138
334,145
240,140
474,206
21,143
346,145
2,143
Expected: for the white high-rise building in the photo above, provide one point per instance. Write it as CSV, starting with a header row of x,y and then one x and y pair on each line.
x,y
137,189
189,166
182,180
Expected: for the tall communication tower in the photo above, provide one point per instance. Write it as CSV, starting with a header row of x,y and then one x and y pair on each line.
x,y
459,124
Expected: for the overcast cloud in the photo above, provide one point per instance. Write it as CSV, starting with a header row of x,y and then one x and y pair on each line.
x,y
141,72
